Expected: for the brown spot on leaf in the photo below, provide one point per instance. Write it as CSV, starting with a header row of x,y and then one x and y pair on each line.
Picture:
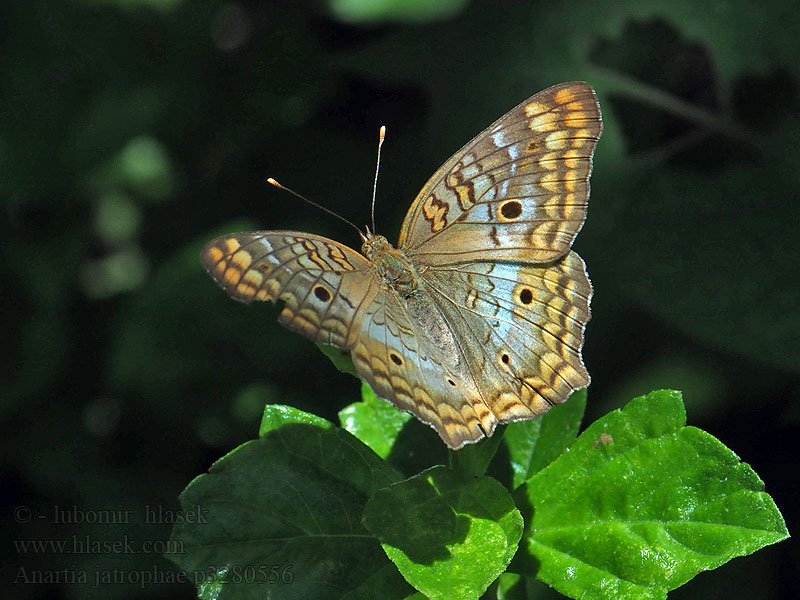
x,y
605,439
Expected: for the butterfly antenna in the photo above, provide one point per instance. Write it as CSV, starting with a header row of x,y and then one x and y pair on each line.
x,y
270,180
381,136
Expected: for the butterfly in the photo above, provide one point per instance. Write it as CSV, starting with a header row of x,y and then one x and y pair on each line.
x,y
477,317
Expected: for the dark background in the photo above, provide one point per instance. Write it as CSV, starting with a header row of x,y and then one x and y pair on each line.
x,y
133,131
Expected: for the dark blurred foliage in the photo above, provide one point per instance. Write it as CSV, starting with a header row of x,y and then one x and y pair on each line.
x,y
132,131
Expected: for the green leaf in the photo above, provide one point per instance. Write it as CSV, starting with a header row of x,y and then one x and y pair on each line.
x,y
640,504
450,537
374,421
282,515
212,585
534,444
279,415
340,358
473,459
511,586
403,11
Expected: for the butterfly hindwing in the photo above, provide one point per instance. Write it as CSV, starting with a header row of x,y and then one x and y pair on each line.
x,y
521,328
395,357
326,286
518,191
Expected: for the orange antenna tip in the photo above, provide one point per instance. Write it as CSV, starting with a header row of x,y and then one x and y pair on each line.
x,y
381,136
273,182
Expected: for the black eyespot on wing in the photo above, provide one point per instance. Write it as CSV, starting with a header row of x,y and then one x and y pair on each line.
x,y
396,359
511,209
526,296
322,293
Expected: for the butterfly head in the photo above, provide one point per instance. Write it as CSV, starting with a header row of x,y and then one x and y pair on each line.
x,y
374,244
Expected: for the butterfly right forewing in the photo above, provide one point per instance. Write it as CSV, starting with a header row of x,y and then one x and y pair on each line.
x,y
517,192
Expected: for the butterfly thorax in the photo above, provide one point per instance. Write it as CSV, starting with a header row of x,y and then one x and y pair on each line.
x,y
394,267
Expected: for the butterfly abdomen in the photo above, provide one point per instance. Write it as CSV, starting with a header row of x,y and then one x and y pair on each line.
x,y
434,330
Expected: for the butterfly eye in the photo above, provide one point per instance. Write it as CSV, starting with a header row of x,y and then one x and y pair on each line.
x,y
511,209
322,293
396,359
526,296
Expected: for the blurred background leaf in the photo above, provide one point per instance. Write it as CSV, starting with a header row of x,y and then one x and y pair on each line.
x,y
132,131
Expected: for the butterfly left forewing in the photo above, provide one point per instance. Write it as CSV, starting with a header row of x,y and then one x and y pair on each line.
x,y
326,286
518,191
